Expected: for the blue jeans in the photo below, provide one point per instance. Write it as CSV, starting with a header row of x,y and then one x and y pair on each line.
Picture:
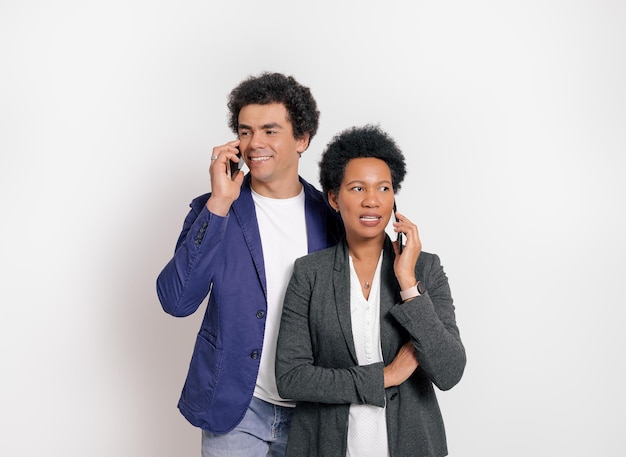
x,y
262,432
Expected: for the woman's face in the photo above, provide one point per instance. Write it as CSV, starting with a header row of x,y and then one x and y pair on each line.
x,y
365,198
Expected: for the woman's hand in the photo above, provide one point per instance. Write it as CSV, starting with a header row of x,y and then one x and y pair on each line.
x,y
401,367
404,264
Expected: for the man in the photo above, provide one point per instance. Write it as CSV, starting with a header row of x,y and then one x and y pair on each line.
x,y
238,245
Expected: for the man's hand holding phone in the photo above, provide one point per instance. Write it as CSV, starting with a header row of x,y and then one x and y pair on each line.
x,y
226,179
235,166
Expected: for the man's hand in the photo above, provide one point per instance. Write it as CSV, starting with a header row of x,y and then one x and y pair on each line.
x,y
224,189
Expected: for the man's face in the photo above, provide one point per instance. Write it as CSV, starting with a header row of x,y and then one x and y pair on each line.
x,y
267,143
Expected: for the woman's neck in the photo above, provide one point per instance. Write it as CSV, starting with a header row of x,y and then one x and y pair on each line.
x,y
365,251
365,255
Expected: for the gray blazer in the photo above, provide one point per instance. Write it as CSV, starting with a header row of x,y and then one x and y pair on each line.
x,y
316,362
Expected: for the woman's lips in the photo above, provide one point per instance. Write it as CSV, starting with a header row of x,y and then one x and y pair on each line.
x,y
369,219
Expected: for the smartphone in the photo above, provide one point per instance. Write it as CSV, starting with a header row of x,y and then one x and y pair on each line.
x,y
235,166
400,237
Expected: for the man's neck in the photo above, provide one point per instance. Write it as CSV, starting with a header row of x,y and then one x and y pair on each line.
x,y
287,188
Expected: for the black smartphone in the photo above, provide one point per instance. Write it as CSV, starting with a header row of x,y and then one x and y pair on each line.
x,y
235,166
400,237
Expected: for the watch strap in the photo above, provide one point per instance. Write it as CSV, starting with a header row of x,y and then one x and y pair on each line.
x,y
412,292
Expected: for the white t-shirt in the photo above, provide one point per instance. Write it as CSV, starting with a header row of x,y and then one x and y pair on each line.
x,y
282,226
367,424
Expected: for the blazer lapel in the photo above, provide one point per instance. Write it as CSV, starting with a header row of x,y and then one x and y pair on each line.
x,y
389,290
316,214
341,286
243,209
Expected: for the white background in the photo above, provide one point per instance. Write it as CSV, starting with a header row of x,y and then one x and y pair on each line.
x,y
512,115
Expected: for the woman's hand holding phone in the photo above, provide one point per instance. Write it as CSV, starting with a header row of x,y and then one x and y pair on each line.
x,y
399,239
406,256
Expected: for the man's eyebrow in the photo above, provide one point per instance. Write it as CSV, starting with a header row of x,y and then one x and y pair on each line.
x,y
271,125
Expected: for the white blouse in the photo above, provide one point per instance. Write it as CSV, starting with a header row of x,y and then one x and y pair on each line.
x,y
367,426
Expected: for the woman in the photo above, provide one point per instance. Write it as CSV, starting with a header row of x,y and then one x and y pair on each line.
x,y
367,331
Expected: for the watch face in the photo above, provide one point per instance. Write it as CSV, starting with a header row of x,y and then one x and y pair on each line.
x,y
420,288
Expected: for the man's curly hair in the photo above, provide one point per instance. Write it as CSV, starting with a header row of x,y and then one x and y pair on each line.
x,y
276,88
359,142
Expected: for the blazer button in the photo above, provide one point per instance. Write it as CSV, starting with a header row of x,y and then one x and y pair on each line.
x,y
260,314
254,355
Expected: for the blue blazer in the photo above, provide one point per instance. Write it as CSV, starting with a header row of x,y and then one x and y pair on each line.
x,y
222,257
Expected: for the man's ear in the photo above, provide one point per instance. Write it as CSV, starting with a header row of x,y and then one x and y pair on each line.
x,y
303,143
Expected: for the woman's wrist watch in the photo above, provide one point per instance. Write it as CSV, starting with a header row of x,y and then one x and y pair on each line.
x,y
412,292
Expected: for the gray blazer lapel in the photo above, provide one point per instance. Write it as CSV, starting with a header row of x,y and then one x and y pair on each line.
x,y
341,286
389,290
